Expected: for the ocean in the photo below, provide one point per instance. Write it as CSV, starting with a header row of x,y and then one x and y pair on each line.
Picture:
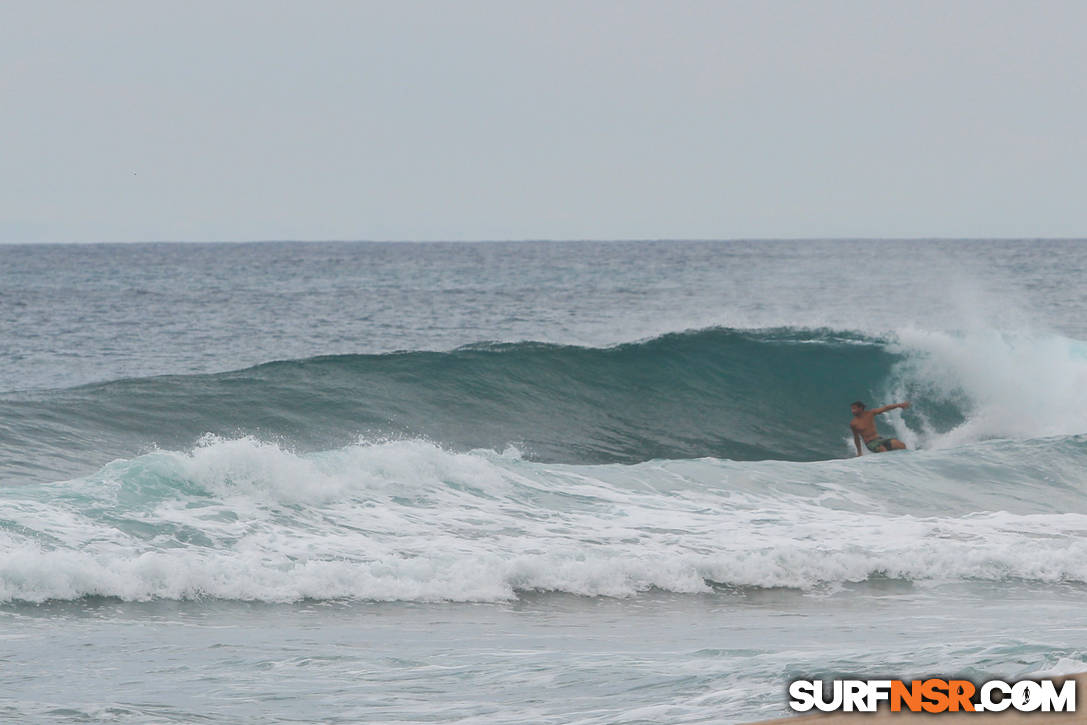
x,y
532,482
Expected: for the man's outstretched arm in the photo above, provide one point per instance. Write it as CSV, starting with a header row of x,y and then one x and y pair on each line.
x,y
892,406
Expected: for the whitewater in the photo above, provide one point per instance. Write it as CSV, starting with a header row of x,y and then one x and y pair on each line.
x,y
542,482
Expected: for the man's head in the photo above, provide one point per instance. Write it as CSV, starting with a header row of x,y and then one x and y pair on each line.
x,y
856,407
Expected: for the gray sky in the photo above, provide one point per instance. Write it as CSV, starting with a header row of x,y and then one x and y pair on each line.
x,y
517,119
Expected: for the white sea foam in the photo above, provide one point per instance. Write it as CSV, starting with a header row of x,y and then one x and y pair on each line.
x,y
1009,385
244,519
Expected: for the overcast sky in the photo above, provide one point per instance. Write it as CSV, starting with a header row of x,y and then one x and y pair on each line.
x,y
515,119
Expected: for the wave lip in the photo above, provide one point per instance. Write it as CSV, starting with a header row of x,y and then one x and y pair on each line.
x,y
408,521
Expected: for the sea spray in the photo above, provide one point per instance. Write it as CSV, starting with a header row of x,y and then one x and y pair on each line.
x,y
1002,384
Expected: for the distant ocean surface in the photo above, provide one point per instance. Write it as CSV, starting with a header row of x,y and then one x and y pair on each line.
x,y
569,482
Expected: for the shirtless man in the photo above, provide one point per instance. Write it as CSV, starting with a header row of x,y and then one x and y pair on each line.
x,y
864,426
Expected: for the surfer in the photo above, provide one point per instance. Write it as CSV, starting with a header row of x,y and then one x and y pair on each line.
x,y
864,426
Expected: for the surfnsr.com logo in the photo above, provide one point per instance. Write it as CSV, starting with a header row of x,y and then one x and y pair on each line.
x,y
933,695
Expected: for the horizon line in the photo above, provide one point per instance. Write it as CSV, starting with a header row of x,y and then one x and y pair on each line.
x,y
545,240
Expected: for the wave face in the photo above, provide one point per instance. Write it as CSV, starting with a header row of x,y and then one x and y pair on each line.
x,y
245,520
722,393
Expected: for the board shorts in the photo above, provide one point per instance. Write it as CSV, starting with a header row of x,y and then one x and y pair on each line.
x,y
875,443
